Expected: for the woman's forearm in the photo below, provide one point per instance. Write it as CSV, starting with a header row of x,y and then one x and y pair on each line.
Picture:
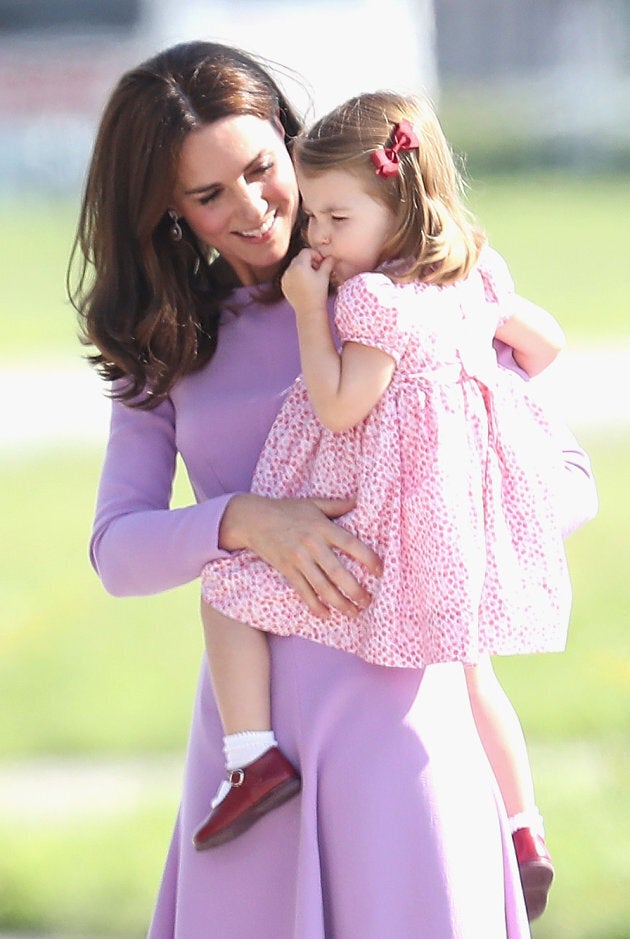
x,y
143,553
139,545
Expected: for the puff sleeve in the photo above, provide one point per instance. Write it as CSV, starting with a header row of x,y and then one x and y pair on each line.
x,y
368,312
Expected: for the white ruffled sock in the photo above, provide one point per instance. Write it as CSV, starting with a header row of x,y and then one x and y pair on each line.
x,y
243,748
528,819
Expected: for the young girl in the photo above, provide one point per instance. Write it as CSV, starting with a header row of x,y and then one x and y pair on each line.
x,y
451,465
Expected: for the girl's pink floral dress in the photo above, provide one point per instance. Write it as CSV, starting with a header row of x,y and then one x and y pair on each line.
x,y
455,477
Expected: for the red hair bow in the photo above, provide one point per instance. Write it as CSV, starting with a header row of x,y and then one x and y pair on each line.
x,y
386,160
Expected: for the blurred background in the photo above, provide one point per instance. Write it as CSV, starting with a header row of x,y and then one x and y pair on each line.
x,y
95,693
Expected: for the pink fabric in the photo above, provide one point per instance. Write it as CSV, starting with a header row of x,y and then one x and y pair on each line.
x,y
456,484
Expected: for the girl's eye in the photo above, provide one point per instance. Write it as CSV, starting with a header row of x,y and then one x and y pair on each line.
x,y
338,218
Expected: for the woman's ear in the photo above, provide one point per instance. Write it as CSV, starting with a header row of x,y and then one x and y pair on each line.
x,y
277,123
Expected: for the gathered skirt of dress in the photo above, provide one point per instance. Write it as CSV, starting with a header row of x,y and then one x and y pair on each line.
x,y
456,487
398,833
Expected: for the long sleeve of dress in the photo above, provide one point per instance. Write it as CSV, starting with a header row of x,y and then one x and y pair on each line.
x,y
139,545
579,502
578,496
216,419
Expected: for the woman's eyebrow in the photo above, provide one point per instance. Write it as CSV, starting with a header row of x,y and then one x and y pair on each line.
x,y
199,189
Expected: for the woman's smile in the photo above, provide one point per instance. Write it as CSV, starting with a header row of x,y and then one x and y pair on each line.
x,y
262,233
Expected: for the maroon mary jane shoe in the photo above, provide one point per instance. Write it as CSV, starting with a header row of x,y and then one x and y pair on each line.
x,y
536,870
254,790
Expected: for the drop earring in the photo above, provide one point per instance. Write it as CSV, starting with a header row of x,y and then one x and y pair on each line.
x,y
175,231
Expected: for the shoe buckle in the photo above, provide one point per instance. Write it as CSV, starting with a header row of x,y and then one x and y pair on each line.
x,y
236,777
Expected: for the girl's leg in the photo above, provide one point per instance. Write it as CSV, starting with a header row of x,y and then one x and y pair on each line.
x,y
238,657
259,775
503,740
502,737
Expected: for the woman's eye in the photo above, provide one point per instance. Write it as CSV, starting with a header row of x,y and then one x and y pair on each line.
x,y
338,218
262,169
209,197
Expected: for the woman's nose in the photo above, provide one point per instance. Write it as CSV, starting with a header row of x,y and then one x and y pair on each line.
x,y
252,202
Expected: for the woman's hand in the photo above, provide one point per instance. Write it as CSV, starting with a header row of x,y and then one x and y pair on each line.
x,y
297,538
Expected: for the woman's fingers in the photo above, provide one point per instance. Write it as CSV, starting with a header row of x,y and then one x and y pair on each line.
x,y
355,596
319,592
316,572
338,588
320,565
300,539
344,540
304,589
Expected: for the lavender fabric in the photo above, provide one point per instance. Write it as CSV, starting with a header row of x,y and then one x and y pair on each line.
x,y
399,830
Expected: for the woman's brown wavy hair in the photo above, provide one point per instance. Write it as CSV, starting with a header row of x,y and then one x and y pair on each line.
x,y
436,235
151,306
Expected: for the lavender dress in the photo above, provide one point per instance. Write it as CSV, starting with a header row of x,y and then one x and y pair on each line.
x,y
399,830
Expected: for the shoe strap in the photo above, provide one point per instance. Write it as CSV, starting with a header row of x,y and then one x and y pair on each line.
x,y
224,788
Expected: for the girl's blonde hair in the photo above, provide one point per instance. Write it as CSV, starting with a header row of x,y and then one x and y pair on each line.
x,y
435,233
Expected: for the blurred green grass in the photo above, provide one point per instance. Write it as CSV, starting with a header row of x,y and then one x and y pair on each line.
x,y
82,671
80,877
83,675
36,240
567,242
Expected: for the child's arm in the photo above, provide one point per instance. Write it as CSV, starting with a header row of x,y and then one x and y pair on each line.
x,y
534,335
343,387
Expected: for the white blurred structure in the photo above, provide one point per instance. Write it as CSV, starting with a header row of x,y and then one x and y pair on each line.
x,y
62,403
552,75
58,61
340,47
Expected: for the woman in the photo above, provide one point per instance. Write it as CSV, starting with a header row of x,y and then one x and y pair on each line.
x,y
190,218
